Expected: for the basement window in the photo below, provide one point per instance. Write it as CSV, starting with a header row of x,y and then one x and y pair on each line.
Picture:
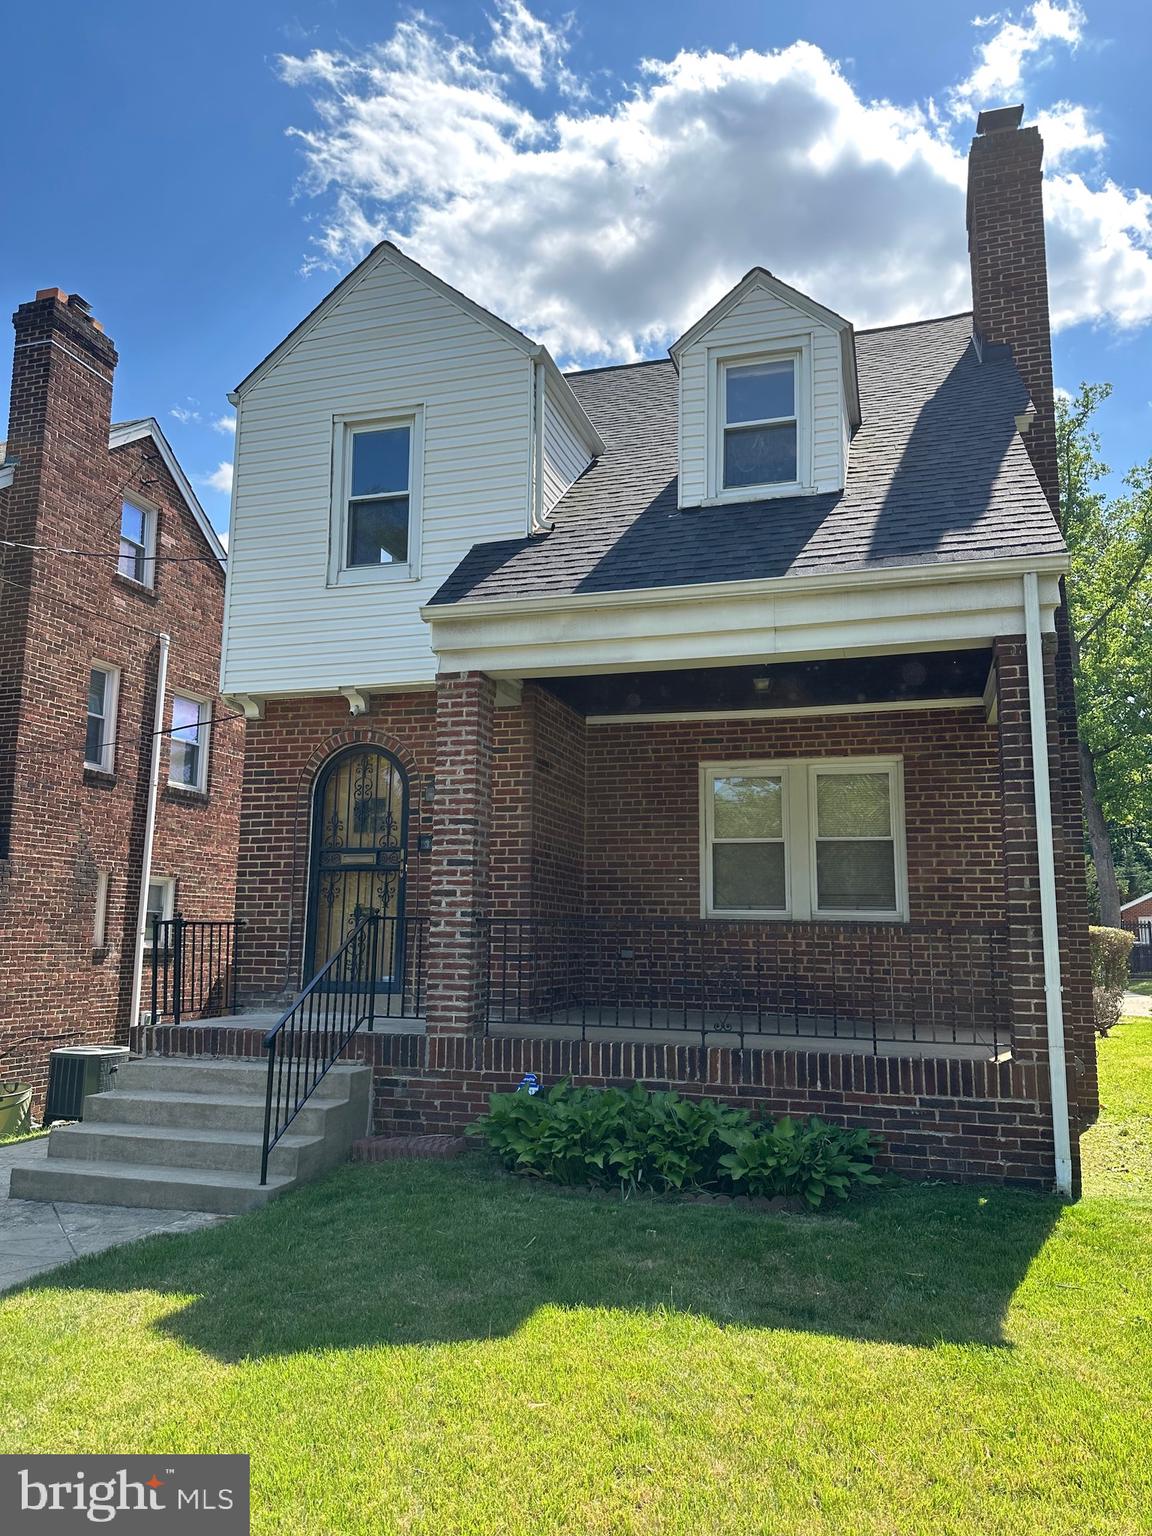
x,y
803,840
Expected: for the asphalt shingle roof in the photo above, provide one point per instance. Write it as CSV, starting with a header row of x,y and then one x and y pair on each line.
x,y
938,472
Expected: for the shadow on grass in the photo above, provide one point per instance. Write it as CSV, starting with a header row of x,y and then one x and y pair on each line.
x,y
425,1253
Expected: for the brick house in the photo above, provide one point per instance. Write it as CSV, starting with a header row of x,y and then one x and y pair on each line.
x,y
706,721
80,638
1137,916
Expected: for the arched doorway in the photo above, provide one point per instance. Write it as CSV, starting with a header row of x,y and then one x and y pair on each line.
x,y
359,842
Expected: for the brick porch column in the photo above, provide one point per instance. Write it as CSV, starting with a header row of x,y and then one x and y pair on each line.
x,y
461,854
1025,958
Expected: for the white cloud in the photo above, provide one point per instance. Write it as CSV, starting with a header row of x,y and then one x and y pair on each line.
x,y
186,414
220,479
604,234
999,74
225,424
532,47
222,535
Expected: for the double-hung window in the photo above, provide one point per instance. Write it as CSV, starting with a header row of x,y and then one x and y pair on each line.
x,y
137,542
188,763
376,499
100,725
759,423
804,839
161,905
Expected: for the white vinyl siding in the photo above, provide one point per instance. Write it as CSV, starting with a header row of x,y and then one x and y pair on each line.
x,y
762,323
565,455
390,347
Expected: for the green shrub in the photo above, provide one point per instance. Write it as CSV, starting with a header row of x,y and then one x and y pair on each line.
x,y
1111,958
809,1161
635,1140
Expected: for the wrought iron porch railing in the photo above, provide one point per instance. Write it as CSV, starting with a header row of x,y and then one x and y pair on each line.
x,y
377,974
874,984
193,969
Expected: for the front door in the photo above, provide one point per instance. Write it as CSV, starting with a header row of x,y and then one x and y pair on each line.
x,y
359,837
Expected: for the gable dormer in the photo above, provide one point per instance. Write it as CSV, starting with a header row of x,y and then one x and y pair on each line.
x,y
768,396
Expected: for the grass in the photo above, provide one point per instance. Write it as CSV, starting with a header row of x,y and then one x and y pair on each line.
x,y
438,1350
1142,988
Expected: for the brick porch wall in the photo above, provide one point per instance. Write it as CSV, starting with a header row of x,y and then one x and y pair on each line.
x,y
962,1120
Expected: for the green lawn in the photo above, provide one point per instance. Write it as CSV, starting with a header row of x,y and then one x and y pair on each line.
x,y
1144,988
438,1350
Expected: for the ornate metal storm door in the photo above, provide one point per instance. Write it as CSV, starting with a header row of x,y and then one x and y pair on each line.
x,y
359,837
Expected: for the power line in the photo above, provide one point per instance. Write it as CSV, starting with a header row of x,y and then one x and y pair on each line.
x,y
68,602
213,720
104,554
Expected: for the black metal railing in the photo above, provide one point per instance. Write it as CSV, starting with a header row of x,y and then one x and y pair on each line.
x,y
377,974
193,969
744,983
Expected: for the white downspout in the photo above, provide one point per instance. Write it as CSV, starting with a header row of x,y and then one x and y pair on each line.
x,y
1053,994
149,833
538,447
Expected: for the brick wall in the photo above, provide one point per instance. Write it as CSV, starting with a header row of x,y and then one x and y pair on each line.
x,y
961,1120
62,823
643,823
285,752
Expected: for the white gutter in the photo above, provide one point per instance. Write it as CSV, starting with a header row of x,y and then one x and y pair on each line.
x,y
943,572
149,833
538,445
1053,997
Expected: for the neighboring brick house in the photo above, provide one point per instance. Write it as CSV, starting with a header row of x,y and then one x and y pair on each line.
x,y
79,646
676,720
1138,910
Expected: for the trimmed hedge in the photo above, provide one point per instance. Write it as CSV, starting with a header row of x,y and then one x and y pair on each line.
x,y
1111,959
635,1140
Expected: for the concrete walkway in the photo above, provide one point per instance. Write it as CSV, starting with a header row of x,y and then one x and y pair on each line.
x,y
37,1235
1137,1003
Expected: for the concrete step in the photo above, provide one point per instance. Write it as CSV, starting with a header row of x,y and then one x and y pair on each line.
x,y
185,1133
223,1112
208,1075
293,1157
144,1184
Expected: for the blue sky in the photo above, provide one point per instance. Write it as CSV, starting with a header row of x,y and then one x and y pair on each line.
x,y
599,174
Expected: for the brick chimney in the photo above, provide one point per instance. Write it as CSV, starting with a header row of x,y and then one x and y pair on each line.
x,y
62,368
1009,269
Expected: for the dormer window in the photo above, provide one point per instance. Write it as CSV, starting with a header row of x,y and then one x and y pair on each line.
x,y
760,427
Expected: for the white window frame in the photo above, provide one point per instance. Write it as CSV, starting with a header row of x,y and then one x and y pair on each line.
x,y
149,545
204,740
167,907
799,824
107,762
795,349
344,430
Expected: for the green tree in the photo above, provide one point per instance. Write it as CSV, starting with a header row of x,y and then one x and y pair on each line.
x,y
1110,601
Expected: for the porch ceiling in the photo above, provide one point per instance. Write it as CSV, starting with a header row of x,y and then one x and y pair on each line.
x,y
844,682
